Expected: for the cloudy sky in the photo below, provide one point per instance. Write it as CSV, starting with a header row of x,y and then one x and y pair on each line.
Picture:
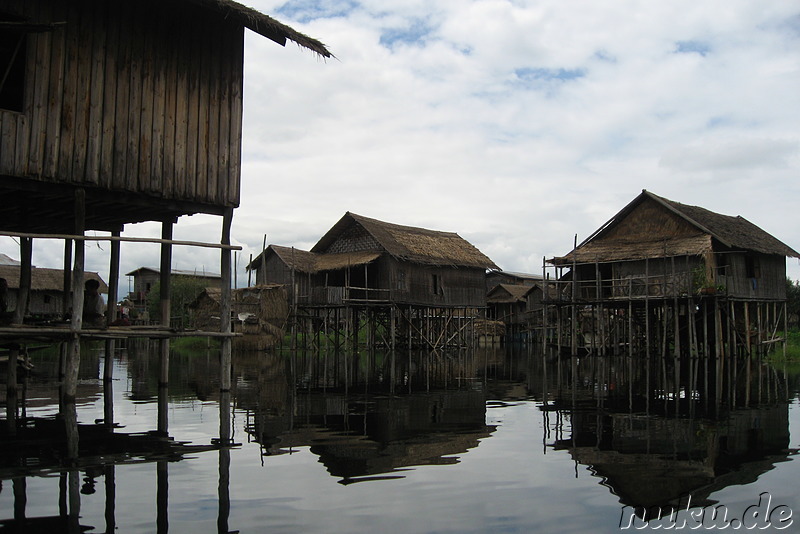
x,y
517,124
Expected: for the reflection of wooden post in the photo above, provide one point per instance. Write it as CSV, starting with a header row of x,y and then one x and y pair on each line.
x,y
20,499
164,296
162,497
225,301
223,487
109,474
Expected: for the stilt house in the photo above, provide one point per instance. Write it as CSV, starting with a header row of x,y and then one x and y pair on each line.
x,y
363,260
122,112
659,247
660,274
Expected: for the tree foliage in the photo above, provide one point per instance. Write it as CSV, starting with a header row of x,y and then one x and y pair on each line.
x,y
183,291
793,302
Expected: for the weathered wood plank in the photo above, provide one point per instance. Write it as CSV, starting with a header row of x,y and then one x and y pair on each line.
x,y
195,36
134,102
145,140
202,177
110,113
40,46
237,83
168,80
122,111
96,87
161,53
214,63
83,95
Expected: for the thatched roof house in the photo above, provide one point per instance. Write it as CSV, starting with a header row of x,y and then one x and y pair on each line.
x,y
47,288
370,260
659,236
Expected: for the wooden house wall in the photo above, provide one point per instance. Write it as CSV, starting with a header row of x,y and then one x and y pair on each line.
x,y
769,282
276,271
138,96
414,284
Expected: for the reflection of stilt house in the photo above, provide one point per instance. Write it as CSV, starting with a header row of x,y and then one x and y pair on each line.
x,y
664,277
401,283
121,112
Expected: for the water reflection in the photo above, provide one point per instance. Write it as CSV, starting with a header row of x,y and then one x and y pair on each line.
x,y
656,432
652,432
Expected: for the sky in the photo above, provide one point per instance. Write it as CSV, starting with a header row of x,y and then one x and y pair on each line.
x,y
517,124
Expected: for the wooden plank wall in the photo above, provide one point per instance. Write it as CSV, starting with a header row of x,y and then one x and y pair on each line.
x,y
129,96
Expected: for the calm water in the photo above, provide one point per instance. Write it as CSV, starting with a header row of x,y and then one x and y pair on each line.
x,y
496,441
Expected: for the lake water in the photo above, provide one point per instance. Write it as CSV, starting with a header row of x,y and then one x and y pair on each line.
x,y
499,440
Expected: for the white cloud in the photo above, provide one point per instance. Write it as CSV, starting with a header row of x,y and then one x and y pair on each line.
x,y
516,124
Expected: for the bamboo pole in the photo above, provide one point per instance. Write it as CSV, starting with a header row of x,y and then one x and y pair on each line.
x,y
153,240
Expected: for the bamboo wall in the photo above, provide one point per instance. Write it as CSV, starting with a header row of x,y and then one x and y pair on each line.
x,y
139,97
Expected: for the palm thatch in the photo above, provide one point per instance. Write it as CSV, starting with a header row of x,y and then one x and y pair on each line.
x,y
652,226
263,24
508,294
405,243
45,279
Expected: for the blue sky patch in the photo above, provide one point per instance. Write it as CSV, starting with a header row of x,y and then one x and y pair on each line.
x,y
540,74
415,32
307,10
689,47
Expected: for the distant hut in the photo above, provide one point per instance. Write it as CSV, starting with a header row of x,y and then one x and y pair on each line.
x,y
46,297
145,278
495,277
261,311
286,266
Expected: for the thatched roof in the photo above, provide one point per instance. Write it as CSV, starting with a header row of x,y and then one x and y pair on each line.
x,y
304,261
262,24
45,279
408,243
701,231
508,293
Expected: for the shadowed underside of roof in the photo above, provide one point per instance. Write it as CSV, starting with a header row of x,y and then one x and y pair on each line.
x,y
263,24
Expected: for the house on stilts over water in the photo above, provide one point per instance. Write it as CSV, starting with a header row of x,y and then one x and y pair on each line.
x,y
114,113
381,283
663,278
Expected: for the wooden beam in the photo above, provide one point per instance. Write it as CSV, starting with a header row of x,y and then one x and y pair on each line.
x,y
112,238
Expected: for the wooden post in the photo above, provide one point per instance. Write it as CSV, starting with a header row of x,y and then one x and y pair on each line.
x,y
76,322
225,301
23,293
111,308
164,297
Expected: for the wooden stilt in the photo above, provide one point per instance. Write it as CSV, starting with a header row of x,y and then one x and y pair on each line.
x,y
111,308
225,302
165,296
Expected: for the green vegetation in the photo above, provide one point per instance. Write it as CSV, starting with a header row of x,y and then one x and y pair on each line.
x,y
183,291
793,303
193,344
